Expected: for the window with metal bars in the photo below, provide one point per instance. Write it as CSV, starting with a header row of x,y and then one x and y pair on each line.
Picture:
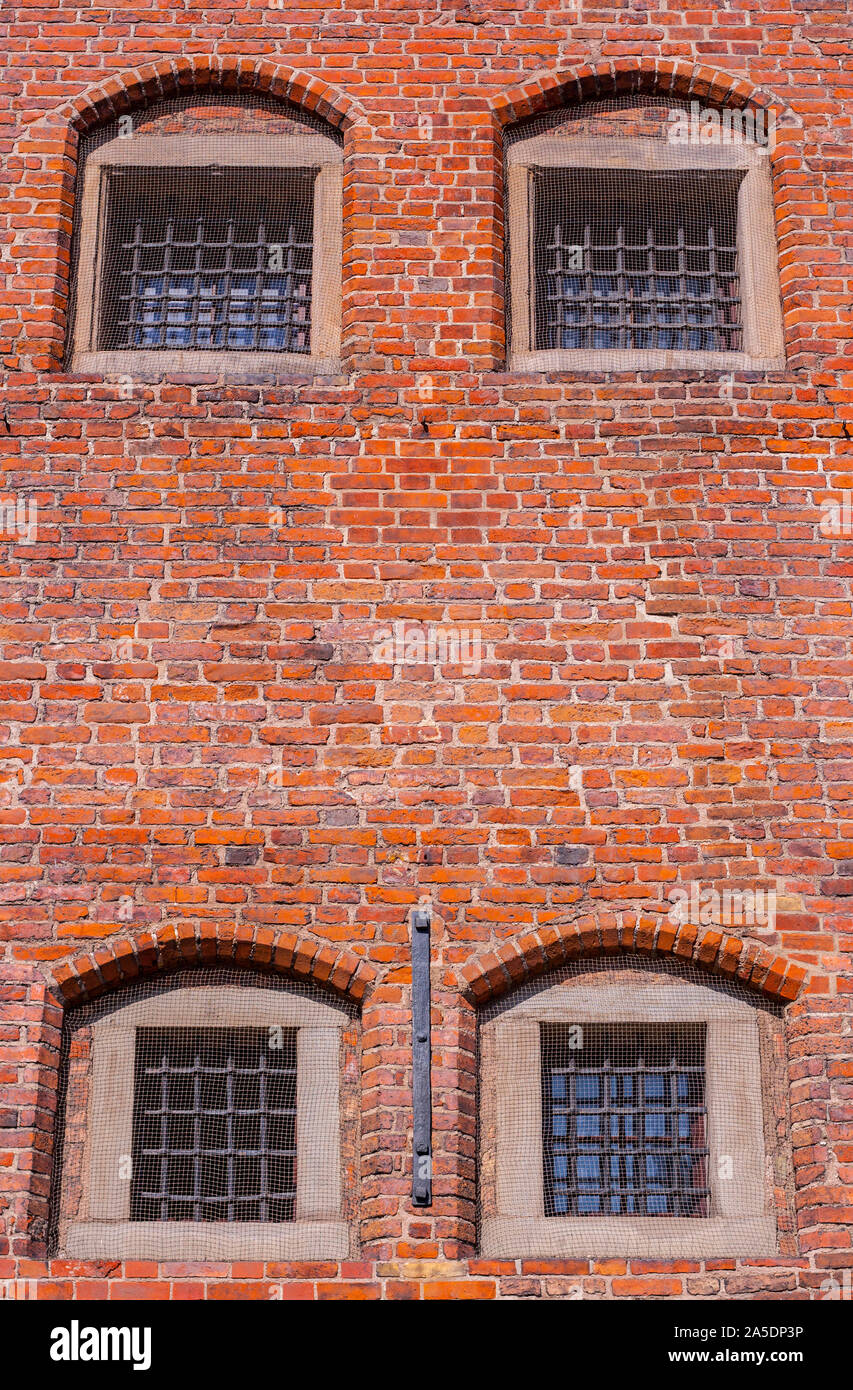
x,y
219,260
625,1120
214,1125
636,259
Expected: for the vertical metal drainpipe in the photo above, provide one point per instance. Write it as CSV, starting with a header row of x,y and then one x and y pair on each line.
x,y
421,1058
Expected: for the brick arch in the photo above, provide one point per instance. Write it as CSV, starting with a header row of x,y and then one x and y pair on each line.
x,y
495,972
295,956
193,74
622,76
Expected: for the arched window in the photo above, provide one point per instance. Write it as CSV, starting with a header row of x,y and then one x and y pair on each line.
x,y
641,234
205,1117
631,1108
208,238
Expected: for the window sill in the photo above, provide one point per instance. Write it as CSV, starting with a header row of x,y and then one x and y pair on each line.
x,y
214,1240
625,360
626,1237
164,362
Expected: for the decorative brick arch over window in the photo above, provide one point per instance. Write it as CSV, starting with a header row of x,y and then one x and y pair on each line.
x,y
523,958
194,74
300,957
624,76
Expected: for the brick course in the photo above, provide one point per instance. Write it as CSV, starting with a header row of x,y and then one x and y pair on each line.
x,y
249,540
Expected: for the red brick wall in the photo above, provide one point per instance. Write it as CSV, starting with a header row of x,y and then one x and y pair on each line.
x,y
252,539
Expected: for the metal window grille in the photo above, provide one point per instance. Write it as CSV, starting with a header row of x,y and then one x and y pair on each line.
x,y
221,261
624,1120
214,1127
636,260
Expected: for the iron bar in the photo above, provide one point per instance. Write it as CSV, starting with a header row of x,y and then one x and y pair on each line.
x,y
421,1061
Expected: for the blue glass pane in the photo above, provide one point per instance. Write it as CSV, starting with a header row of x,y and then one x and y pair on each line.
x,y
588,1168
656,1168
588,1090
588,1126
655,1125
589,1204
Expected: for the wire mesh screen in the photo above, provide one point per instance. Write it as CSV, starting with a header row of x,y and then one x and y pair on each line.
x,y
627,232
632,1107
214,1125
624,1121
202,226
643,260
213,1113
224,262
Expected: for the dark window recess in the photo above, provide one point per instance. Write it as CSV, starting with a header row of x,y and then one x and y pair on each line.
x,y
625,1120
214,1125
208,260
636,260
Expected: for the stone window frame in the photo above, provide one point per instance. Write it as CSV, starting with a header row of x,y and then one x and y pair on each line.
x,y
758,260
310,150
742,1221
319,1230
